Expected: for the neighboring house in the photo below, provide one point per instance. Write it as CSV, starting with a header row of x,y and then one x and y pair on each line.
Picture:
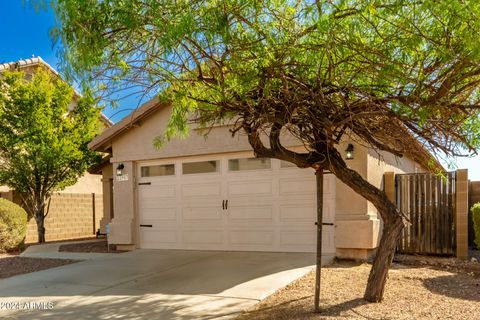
x,y
212,194
72,210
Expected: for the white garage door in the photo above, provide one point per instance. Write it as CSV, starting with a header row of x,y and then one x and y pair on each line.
x,y
231,203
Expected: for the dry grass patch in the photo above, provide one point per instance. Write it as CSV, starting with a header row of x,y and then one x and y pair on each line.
x,y
412,292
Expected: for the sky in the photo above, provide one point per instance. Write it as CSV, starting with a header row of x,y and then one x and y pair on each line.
x,y
24,32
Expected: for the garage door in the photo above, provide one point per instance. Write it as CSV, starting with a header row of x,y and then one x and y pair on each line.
x,y
231,203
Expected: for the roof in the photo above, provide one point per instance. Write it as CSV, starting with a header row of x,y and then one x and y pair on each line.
x,y
38,61
23,63
104,140
416,151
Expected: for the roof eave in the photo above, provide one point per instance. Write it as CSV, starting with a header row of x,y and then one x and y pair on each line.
x,y
104,140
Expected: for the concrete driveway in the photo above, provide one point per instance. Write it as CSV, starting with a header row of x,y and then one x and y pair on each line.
x,y
152,284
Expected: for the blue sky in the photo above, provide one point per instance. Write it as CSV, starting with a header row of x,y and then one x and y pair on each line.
x,y
24,33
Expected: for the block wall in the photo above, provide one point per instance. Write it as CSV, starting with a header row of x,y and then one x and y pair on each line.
x,y
70,217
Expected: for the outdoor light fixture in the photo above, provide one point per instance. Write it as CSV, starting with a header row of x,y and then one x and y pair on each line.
x,y
120,169
349,152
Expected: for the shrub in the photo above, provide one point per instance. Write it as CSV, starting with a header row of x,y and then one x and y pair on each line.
x,y
13,225
476,222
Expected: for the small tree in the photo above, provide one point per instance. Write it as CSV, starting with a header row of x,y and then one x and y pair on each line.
x,y
396,75
43,142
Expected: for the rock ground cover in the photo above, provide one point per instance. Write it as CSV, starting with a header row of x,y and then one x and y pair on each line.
x,y
12,264
100,246
417,288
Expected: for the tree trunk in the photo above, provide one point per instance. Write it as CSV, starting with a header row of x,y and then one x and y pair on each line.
x,y
392,219
383,260
40,219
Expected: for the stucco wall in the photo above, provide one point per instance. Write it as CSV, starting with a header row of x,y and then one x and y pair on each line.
x,y
89,183
137,143
107,187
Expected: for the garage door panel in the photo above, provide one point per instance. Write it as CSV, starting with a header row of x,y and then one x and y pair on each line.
x,y
268,210
264,238
249,188
306,212
329,212
201,190
302,212
163,214
152,203
305,240
200,237
250,214
294,186
328,239
303,185
159,237
202,214
329,186
297,237
156,192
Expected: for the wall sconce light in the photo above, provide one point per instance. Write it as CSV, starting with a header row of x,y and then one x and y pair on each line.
x,y
120,169
349,152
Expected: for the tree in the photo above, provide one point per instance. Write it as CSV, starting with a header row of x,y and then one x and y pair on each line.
x,y
43,142
397,76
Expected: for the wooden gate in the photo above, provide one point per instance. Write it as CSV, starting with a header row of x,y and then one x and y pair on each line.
x,y
428,201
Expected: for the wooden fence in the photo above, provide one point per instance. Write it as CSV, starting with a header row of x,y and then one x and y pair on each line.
x,y
429,203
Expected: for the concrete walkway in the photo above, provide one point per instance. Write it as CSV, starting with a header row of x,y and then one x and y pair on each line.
x,y
51,250
152,284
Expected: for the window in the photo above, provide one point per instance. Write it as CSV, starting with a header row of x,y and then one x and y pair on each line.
x,y
200,167
158,170
249,164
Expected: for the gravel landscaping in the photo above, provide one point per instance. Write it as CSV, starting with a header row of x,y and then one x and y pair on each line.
x,y
12,265
100,246
419,288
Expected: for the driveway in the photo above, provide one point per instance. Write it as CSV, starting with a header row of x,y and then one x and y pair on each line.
x,y
152,284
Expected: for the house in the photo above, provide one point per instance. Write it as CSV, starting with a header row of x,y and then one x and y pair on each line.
x,y
74,212
212,194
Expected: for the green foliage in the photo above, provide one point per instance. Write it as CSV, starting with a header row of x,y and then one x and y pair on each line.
x,y
419,59
476,222
43,138
13,225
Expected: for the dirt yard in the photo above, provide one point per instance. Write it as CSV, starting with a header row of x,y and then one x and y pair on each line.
x,y
12,265
91,246
414,291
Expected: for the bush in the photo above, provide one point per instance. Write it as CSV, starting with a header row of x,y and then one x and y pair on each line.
x,y
13,225
476,223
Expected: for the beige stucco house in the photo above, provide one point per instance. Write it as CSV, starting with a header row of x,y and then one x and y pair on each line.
x,y
75,212
212,194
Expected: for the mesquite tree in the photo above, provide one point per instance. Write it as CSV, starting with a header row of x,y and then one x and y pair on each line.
x,y
43,142
395,75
